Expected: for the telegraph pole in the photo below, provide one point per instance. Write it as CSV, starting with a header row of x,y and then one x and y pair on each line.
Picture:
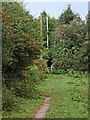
x,y
47,31
41,33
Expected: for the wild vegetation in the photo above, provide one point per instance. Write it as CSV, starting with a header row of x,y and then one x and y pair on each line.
x,y
22,66
25,60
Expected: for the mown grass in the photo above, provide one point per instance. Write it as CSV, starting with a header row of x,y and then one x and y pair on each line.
x,y
29,107
68,99
0,102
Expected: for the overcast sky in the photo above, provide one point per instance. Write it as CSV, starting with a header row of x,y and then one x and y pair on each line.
x,y
54,9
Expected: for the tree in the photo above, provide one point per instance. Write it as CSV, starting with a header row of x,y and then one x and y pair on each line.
x,y
88,37
67,42
21,39
67,15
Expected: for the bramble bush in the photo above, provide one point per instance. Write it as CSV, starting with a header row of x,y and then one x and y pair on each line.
x,y
10,100
28,86
21,37
21,47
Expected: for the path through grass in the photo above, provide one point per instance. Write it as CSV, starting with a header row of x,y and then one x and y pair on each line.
x,y
68,99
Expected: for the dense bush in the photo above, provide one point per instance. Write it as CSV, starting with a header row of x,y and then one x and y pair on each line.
x,y
59,71
41,65
21,38
74,73
25,88
10,100
21,48
28,86
69,46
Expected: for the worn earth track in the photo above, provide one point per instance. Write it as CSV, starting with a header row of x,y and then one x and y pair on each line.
x,y
42,111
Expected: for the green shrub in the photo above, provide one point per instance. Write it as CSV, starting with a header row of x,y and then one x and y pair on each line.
x,y
28,86
47,71
41,68
25,89
59,71
73,72
10,101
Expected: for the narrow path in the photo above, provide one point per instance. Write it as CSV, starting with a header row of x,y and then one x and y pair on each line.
x,y
42,111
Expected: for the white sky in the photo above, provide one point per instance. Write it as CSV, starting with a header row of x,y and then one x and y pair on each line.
x,y
56,0
54,9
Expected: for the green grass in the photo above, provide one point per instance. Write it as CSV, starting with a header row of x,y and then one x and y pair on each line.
x,y
0,101
68,99
27,109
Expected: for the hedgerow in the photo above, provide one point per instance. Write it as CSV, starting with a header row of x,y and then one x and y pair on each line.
x,y
22,44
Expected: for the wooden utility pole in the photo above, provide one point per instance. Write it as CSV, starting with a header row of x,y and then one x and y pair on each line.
x,y
47,32
41,33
